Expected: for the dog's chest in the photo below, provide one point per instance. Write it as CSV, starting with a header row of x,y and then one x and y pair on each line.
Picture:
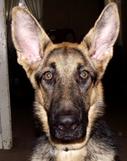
x,y
73,155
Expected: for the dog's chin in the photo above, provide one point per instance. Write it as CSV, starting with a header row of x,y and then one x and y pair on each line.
x,y
69,139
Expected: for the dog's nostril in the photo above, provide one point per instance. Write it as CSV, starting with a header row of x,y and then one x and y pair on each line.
x,y
67,123
61,127
73,127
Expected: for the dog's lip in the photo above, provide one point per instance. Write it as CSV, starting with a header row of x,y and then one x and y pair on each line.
x,y
68,139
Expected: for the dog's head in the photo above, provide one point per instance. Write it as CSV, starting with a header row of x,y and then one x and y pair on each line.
x,y
66,76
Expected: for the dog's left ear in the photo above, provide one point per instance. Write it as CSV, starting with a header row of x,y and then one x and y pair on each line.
x,y
29,38
102,36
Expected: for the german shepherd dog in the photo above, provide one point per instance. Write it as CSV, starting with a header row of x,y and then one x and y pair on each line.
x,y
68,89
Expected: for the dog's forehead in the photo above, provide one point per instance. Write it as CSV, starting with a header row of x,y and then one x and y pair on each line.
x,y
67,56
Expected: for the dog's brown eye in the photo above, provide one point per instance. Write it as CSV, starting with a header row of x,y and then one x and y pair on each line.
x,y
47,75
83,74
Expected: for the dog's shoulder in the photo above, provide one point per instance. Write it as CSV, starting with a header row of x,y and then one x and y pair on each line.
x,y
102,145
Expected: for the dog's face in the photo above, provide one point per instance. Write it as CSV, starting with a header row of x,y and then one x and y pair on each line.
x,y
66,76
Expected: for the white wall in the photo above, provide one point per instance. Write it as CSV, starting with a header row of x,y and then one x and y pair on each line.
x,y
5,114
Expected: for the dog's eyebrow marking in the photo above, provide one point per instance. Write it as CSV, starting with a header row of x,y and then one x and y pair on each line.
x,y
66,51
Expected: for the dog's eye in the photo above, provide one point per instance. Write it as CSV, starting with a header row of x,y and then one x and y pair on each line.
x,y
47,76
83,74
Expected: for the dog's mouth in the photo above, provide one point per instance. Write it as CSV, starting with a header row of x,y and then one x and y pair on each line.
x,y
68,129
68,136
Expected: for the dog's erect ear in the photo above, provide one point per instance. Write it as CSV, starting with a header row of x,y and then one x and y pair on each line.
x,y
102,36
28,37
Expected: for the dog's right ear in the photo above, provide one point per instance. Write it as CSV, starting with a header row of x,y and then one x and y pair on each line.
x,y
102,36
28,37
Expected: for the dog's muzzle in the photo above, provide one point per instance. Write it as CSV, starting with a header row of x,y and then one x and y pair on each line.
x,y
68,128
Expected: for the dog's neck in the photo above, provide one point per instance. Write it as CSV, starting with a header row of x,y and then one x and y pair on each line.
x,y
70,155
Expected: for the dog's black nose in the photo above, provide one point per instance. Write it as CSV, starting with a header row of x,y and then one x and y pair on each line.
x,y
67,122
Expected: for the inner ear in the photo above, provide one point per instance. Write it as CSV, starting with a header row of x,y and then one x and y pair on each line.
x,y
103,35
28,36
